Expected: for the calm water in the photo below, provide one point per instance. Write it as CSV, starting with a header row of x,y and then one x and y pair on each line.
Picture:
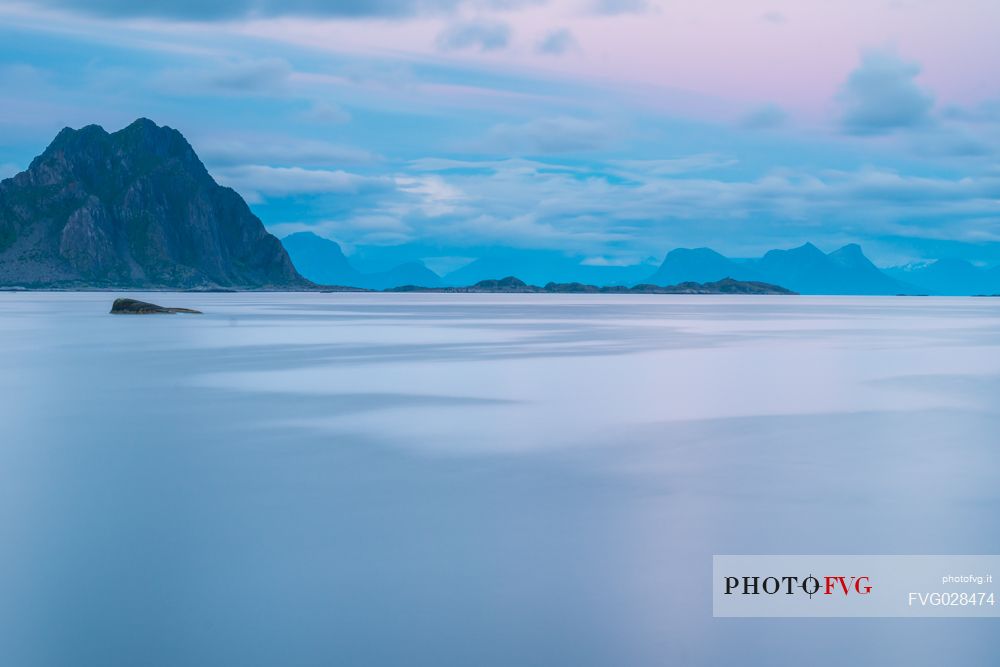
x,y
383,479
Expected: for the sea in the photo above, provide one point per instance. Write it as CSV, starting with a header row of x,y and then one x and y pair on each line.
x,y
480,479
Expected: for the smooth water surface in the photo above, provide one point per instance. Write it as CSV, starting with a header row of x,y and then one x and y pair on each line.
x,y
446,479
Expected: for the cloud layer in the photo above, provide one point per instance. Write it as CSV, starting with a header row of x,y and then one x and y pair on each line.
x,y
637,207
218,10
557,42
882,95
481,35
611,129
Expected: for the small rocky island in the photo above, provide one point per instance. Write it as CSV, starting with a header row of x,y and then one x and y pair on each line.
x,y
136,307
510,284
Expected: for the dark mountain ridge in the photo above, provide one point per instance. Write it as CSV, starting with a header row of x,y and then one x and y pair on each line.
x,y
134,209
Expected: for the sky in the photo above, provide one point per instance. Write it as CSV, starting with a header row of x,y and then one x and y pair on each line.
x,y
608,130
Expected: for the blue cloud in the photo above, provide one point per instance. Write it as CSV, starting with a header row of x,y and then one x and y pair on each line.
x,y
322,111
614,7
257,181
767,117
251,76
559,134
281,151
587,208
882,96
215,10
482,35
557,42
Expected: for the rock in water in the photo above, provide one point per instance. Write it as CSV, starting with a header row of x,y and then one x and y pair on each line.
x,y
132,209
136,307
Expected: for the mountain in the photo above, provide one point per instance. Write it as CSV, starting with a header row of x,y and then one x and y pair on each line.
x,y
861,276
132,209
949,277
852,258
320,260
698,265
806,269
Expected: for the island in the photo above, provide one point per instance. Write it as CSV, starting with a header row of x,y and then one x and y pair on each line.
x,y
513,285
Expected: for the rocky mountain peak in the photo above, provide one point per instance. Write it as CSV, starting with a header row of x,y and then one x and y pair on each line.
x,y
132,208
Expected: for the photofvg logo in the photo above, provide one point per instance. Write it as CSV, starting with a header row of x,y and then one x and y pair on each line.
x,y
809,585
854,586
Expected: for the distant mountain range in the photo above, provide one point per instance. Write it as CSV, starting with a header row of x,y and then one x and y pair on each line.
x,y
808,270
135,208
322,261
805,269
949,277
